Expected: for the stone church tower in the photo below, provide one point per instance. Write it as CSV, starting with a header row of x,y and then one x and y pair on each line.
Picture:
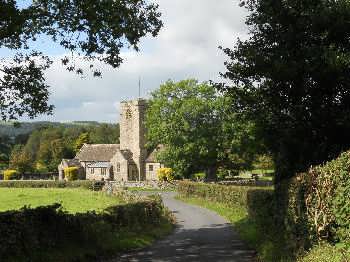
x,y
132,133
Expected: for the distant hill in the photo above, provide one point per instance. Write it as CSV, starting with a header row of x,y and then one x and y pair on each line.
x,y
13,129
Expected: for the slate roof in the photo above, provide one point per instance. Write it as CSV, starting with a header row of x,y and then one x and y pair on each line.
x,y
71,162
152,157
97,152
100,165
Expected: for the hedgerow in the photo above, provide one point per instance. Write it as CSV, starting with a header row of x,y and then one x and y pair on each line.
x,y
93,185
45,233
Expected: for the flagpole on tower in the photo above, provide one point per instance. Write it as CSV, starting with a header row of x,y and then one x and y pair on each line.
x,y
139,87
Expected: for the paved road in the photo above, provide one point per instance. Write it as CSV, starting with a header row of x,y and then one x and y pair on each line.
x,y
201,235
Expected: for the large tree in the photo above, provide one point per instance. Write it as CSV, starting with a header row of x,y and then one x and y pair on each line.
x,y
292,78
88,29
199,133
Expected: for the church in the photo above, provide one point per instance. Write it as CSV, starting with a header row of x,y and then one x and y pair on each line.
x,y
127,161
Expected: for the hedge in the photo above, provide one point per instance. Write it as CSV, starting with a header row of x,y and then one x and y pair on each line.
x,y
94,185
37,234
215,192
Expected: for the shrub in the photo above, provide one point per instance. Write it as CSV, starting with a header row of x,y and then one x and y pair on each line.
x,y
198,176
71,173
93,185
10,174
327,199
165,174
215,192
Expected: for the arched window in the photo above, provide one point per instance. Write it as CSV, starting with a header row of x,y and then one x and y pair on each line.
x,y
118,167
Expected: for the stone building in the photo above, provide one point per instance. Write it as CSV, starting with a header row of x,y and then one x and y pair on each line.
x,y
127,161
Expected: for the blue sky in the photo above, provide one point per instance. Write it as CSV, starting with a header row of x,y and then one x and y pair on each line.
x,y
187,47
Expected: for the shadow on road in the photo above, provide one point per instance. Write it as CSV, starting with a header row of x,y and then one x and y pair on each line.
x,y
204,244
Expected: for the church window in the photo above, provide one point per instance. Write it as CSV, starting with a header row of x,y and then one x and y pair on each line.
x,y
103,171
150,167
118,167
92,170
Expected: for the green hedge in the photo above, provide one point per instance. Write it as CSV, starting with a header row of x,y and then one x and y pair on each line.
x,y
43,233
52,184
327,199
218,193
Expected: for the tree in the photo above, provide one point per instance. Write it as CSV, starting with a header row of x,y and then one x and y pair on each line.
x,y
292,79
84,138
20,160
87,29
191,120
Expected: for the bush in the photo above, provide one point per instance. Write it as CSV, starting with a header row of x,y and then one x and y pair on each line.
x,y
93,185
198,176
71,173
327,199
215,192
10,174
165,174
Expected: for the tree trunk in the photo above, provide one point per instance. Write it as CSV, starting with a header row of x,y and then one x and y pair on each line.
x,y
210,174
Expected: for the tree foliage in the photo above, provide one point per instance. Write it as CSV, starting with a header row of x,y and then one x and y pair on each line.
x,y
292,79
199,133
46,146
88,29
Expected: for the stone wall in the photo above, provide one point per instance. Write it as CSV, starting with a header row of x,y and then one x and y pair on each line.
x,y
143,184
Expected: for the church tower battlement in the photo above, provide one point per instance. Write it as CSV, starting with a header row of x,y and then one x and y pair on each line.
x,y
133,132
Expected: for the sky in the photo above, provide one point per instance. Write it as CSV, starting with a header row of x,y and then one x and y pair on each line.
x,y
186,47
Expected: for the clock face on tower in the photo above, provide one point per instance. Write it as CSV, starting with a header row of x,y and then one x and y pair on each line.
x,y
128,113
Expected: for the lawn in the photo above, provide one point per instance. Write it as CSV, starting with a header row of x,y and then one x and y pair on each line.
x,y
72,200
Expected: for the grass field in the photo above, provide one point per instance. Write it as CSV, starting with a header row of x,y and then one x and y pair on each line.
x,y
72,200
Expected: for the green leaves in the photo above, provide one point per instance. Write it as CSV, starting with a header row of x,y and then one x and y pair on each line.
x,y
197,127
291,78
89,30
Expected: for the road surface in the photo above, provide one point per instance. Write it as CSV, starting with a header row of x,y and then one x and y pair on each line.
x,y
200,235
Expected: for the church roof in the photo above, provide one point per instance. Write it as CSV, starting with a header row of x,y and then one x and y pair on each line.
x,y
97,152
71,162
152,157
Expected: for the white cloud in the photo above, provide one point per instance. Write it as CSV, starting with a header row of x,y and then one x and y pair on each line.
x,y
187,47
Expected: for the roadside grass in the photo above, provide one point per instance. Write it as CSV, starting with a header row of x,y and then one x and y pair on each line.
x,y
73,200
326,253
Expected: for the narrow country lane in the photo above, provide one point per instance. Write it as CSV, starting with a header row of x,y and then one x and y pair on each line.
x,y
201,235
